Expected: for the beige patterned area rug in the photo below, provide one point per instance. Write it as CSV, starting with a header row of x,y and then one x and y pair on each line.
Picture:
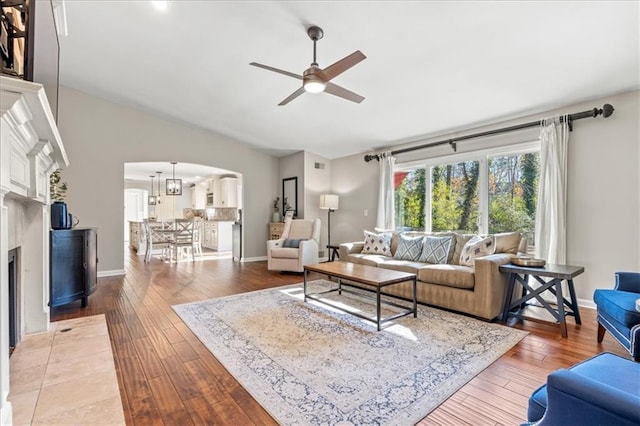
x,y
306,363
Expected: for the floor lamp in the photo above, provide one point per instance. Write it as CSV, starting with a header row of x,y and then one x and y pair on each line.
x,y
329,202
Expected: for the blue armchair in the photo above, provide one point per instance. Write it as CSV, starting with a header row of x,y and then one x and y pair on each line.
x,y
603,390
617,312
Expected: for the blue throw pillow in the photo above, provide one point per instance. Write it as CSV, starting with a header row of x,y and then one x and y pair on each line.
x,y
292,243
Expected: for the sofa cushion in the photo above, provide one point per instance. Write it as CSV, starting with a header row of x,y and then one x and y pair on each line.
x,y
448,275
619,305
436,249
507,242
461,240
293,243
401,265
409,248
377,243
477,247
285,252
453,243
366,259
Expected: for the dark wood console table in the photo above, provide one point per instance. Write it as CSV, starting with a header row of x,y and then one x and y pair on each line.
x,y
550,277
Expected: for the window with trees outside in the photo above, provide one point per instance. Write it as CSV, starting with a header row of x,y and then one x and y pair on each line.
x,y
488,192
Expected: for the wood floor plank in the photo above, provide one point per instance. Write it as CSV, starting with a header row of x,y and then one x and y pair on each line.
x,y
167,376
172,409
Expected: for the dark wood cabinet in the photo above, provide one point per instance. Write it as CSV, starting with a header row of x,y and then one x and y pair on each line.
x,y
73,265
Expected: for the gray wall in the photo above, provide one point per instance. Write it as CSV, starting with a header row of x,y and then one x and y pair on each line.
x,y
317,182
603,189
293,166
101,136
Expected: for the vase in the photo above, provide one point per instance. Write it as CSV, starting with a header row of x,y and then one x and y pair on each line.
x,y
275,217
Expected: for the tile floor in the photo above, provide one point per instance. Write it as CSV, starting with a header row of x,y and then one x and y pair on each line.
x,y
66,376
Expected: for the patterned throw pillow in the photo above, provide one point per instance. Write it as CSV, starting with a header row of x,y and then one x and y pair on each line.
x,y
436,249
476,247
377,243
409,248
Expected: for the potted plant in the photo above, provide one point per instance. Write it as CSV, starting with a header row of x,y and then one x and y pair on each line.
x,y
57,193
275,217
57,189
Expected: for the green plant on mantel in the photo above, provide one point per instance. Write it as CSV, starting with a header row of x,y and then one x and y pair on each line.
x,y
57,189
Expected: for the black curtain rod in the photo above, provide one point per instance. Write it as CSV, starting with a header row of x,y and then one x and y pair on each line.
x,y
606,111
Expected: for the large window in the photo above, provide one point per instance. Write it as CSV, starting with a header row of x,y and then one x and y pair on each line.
x,y
488,192
513,191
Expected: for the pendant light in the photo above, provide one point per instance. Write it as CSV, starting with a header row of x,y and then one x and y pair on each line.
x,y
174,186
158,196
152,197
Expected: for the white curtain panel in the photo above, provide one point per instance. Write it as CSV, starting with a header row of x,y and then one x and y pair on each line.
x,y
551,209
385,219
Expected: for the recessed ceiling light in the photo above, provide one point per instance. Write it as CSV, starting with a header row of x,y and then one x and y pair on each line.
x,y
162,6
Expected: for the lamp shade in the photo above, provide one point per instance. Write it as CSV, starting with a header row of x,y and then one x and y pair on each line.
x,y
329,202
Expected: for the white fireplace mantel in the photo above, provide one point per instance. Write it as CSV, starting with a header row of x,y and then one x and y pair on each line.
x,y
30,150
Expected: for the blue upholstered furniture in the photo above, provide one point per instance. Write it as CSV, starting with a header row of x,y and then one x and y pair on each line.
x,y
617,312
603,390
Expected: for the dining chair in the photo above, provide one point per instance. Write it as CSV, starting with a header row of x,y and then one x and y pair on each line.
x,y
157,237
183,237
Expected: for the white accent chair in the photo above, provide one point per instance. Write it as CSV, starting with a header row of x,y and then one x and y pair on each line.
x,y
297,247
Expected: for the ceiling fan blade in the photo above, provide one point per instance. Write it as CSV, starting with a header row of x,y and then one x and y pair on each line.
x,y
342,65
267,67
292,96
340,91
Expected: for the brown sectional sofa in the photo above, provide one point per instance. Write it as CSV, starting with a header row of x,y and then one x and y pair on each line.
x,y
477,290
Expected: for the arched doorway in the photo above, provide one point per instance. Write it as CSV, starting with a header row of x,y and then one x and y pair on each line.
x,y
210,195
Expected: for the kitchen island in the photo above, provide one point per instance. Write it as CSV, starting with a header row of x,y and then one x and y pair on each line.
x,y
216,235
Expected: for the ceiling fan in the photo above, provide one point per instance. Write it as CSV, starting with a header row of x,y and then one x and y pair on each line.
x,y
315,79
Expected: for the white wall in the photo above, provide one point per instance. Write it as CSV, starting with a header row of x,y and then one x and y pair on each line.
x,y
603,189
101,136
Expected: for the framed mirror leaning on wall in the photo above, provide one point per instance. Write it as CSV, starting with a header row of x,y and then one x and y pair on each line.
x,y
290,195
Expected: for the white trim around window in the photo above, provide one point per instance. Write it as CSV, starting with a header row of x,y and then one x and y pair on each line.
x,y
483,188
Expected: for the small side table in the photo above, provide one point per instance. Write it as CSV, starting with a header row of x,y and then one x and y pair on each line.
x,y
550,277
334,252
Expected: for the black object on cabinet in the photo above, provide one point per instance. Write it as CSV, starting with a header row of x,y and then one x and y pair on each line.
x,y
73,265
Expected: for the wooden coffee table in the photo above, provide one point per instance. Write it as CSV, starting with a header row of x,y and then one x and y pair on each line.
x,y
369,276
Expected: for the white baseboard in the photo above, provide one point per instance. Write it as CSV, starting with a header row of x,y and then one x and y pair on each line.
x,y
586,303
253,259
112,273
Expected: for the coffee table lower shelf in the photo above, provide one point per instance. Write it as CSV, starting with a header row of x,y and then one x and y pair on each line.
x,y
366,276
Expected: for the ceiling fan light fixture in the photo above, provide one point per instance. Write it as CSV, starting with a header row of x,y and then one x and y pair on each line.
x,y
314,85
311,81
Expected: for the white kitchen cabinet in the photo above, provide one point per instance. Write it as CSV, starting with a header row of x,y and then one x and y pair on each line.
x,y
228,192
192,192
224,236
217,235
199,196
209,185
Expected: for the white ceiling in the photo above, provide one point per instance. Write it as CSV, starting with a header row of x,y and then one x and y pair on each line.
x,y
431,67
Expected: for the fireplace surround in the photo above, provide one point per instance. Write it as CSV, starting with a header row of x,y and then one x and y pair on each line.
x,y
30,150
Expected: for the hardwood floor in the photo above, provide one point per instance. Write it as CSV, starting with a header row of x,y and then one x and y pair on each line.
x,y
167,376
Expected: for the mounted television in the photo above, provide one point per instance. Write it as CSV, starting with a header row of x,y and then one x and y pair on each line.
x,y
29,45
